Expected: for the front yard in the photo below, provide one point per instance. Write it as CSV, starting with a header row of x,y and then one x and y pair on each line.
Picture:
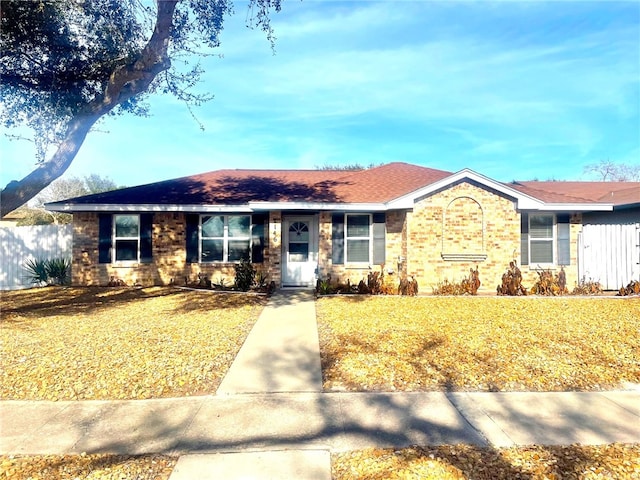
x,y
119,343
479,343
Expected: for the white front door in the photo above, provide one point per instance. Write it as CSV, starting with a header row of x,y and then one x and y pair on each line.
x,y
300,251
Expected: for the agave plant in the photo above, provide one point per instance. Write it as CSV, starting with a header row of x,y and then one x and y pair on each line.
x,y
54,271
36,270
58,271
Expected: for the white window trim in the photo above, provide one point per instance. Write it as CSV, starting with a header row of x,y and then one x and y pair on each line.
x,y
554,242
347,238
115,239
225,238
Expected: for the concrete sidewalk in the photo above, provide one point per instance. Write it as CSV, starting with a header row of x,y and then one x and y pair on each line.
x,y
320,421
286,427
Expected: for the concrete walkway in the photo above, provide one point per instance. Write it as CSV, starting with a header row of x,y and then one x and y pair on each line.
x,y
286,427
281,353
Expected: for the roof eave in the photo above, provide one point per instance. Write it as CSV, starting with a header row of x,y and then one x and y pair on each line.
x,y
524,201
250,207
284,206
115,207
575,207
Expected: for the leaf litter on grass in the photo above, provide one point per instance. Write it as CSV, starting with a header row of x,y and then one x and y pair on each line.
x,y
86,467
119,343
479,343
466,462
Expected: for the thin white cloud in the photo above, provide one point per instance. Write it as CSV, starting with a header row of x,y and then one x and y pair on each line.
x,y
439,83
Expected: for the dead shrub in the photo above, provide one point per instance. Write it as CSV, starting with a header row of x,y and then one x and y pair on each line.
x,y
549,284
467,286
632,289
512,281
408,287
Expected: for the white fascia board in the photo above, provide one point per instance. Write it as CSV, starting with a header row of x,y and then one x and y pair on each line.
x,y
524,201
350,207
70,207
576,207
251,207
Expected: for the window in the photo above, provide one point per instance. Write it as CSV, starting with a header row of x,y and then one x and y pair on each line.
x,y
361,240
225,238
358,238
545,239
299,242
541,238
126,237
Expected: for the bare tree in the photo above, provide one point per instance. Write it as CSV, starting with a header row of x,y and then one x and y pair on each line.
x,y
35,213
608,171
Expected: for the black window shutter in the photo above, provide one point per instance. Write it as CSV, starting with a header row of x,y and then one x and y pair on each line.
x,y
146,233
258,221
105,230
524,239
379,238
337,238
564,239
193,222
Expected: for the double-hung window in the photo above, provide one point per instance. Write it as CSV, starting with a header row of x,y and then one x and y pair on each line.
x,y
225,238
546,239
125,238
541,239
358,238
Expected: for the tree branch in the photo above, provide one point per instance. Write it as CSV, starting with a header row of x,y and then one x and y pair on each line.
x,y
125,82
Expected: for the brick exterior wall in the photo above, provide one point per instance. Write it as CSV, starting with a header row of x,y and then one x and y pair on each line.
x,y
324,245
457,229
443,237
169,256
273,254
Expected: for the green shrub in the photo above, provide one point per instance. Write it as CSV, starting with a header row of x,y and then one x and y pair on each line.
x,y
245,275
324,287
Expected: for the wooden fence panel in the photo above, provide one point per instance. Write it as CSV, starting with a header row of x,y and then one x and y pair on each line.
x,y
18,244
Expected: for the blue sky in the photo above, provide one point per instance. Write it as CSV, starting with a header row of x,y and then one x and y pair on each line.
x,y
512,90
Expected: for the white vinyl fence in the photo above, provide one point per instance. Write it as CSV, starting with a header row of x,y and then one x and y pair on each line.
x,y
610,254
18,244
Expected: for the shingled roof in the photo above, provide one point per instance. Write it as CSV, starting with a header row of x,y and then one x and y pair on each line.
x,y
239,187
616,193
375,187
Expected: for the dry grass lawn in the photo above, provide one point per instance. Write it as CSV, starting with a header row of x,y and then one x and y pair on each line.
x,y
466,462
86,467
83,343
446,462
479,343
119,343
